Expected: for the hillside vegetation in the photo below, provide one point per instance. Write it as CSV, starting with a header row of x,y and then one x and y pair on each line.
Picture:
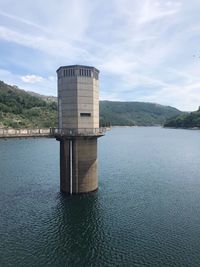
x,y
21,109
135,113
191,120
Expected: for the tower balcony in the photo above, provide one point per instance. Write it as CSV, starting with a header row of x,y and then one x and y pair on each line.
x,y
60,133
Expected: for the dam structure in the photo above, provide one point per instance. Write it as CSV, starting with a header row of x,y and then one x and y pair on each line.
x,y
78,128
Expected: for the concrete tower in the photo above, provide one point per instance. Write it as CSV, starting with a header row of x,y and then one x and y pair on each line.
x,y
78,122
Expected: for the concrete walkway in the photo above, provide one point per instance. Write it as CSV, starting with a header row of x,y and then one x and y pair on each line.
x,y
16,133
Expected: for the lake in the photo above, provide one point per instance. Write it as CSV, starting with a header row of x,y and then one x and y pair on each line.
x,y
145,213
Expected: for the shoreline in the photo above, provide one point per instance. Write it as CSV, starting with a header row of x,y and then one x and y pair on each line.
x,y
183,128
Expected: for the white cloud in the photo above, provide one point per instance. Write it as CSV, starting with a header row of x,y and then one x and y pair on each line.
x,y
44,85
31,78
153,10
24,21
40,42
183,97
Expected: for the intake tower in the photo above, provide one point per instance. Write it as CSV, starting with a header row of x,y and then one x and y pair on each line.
x,y
78,127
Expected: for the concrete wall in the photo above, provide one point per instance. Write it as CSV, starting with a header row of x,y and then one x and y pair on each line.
x,y
84,165
78,93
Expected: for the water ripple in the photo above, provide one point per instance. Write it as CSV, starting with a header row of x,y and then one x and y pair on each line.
x,y
146,212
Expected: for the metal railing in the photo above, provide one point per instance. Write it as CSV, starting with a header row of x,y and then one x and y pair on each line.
x,y
51,132
78,131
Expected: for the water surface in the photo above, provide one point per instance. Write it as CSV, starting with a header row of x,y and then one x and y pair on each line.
x,y
145,213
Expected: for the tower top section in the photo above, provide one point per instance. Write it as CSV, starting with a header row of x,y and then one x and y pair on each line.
x,y
78,70
77,67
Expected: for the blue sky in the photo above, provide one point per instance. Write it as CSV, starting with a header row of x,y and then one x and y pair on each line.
x,y
146,50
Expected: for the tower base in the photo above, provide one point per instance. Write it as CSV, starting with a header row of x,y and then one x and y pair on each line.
x,y
78,164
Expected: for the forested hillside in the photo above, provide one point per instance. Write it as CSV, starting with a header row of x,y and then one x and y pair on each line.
x,y
190,120
21,109
135,113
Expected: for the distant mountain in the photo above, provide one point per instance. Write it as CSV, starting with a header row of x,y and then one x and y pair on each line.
x,y
135,113
191,120
23,109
